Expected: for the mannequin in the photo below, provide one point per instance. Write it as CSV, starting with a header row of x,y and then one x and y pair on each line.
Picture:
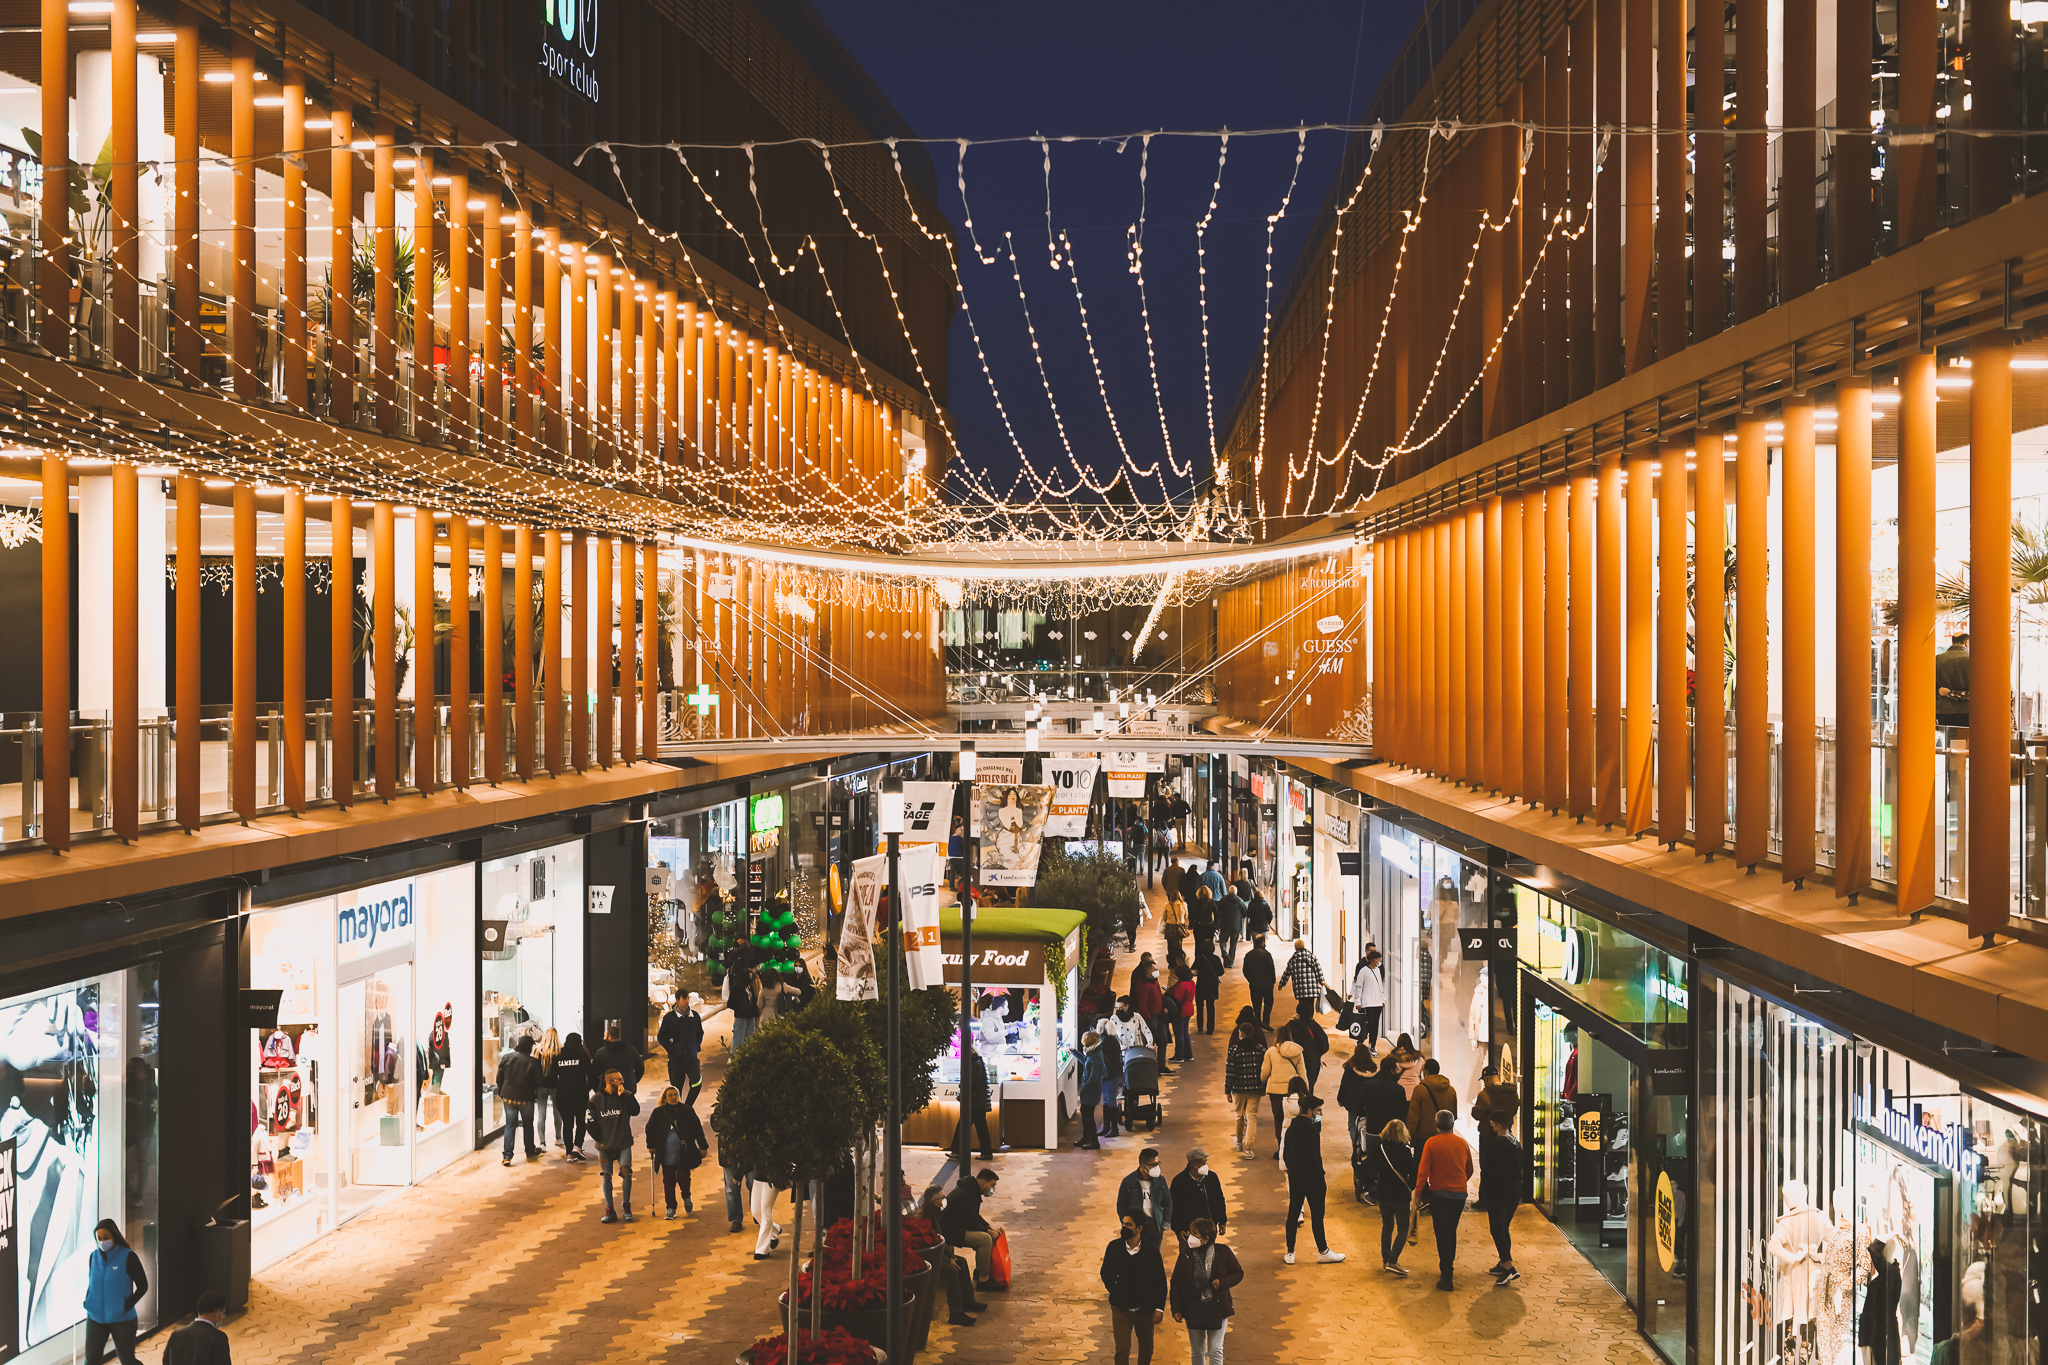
x,y
1877,1326
1843,1266
1794,1249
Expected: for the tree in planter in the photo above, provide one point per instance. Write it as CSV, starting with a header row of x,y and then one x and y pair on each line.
x,y
1099,885
794,1101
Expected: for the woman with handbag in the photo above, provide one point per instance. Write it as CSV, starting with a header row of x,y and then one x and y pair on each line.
x,y
1393,1172
675,1146
1199,1292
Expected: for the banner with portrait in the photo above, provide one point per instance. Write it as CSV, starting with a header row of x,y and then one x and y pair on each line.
x,y
1012,832
857,931
1073,784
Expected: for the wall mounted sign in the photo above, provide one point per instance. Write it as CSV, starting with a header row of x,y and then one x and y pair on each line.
x,y
568,44
1948,1147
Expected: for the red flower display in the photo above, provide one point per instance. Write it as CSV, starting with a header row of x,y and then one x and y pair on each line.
x,y
833,1346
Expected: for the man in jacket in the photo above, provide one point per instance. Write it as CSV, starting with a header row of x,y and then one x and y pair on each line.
x,y
1434,1093
1497,1100
1443,1175
1259,976
1258,914
518,1086
614,1055
1135,1278
964,1225
611,1121
681,1036
1369,998
202,1340
1301,1152
1145,1191
1305,1029
1196,1193
1305,976
1229,926
1213,879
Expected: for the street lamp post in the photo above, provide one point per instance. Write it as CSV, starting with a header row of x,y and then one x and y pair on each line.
x,y
889,817
966,777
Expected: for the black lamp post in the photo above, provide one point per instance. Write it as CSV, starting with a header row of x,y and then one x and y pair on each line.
x,y
889,818
966,778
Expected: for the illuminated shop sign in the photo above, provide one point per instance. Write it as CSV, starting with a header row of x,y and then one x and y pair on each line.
x,y
568,44
1947,1147
767,812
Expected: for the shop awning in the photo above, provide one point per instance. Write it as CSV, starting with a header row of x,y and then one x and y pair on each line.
x,y
1007,922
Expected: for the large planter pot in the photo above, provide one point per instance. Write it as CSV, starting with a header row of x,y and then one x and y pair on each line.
x,y
928,1291
870,1325
746,1357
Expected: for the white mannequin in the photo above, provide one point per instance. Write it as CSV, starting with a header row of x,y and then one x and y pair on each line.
x,y
1794,1248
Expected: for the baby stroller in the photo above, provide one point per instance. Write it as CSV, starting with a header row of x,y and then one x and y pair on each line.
x,y
1141,1087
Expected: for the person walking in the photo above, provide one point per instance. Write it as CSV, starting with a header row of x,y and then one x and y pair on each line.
x,y
1260,977
545,1052
1503,1176
1498,1098
1208,984
1244,1077
675,1146
1304,1028
965,1225
1180,1011
202,1341
1302,1155
1384,1103
1091,1089
1443,1175
1114,1026
611,1121
1201,910
1135,1278
763,1185
574,1074
615,1054
1432,1094
1305,977
1369,998
1145,1191
1408,1062
1148,1001
1213,879
1393,1176
1196,1194
1199,1291
1352,1095
1229,926
681,1035
1278,1070
518,1085
1173,921
114,1283
974,1104
740,999
1258,912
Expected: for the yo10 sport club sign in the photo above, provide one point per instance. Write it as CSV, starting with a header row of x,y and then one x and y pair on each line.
x,y
568,44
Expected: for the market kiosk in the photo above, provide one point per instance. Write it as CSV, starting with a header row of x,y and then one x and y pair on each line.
x,y
1027,990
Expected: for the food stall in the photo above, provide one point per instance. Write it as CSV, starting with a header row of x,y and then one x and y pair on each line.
x,y
1027,987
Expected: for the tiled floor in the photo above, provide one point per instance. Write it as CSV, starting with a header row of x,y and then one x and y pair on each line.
x,y
486,1264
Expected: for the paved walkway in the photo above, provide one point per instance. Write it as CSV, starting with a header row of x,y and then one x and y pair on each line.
x,y
483,1264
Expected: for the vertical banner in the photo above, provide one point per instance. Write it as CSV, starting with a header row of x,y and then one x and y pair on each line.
x,y
1012,832
857,934
1073,782
1127,774
927,812
923,867
10,1257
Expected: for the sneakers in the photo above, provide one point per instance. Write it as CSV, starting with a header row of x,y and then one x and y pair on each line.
x,y
609,1217
689,1205
628,1215
671,1214
1444,1283
1392,1269
1289,1258
1328,1257
506,1162
1507,1277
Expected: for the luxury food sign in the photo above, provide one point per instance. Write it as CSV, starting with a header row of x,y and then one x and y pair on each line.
x,y
1013,822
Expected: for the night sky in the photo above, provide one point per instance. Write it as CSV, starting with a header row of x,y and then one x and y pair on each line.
x,y
1055,68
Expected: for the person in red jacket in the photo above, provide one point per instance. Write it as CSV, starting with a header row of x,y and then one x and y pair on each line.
x,y
1443,1177
1148,1001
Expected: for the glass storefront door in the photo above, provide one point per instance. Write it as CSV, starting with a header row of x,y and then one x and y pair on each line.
x,y
376,1052
1586,1178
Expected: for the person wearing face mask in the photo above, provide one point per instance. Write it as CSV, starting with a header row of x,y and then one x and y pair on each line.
x,y
1144,1191
1302,1154
1091,1089
1199,1292
114,1284
1135,1277
1197,1195
1128,1027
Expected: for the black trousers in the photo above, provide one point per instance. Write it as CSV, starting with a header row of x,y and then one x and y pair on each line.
x,y
1444,1212
1088,1133
1262,1004
572,1117
1205,1015
1369,1025
1393,1230
98,1334
1501,1222
675,1178
688,1077
980,1122
1314,1196
1226,944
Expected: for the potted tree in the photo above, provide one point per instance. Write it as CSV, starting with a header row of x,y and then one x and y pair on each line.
x,y
836,1346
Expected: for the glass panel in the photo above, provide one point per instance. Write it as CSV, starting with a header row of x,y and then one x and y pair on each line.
x,y
534,981
1667,1193
375,1014
297,1086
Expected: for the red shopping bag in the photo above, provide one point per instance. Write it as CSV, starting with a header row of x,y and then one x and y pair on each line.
x,y
999,1261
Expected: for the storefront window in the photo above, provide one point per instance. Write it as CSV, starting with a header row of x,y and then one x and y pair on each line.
x,y
1843,1171
532,909
78,1126
1636,984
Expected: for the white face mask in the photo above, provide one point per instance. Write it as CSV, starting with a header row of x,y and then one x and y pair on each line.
x,y
1194,1242
106,1244
1153,1171
1201,1171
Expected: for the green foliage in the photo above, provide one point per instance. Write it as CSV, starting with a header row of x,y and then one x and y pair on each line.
x,y
926,1024
2029,573
1099,885
363,281
845,1023
792,1100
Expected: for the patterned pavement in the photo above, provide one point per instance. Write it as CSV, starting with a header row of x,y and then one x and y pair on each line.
x,y
481,1263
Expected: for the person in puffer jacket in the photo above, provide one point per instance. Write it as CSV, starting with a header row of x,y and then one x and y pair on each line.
x,y
1279,1069
1244,1077
1433,1094
611,1120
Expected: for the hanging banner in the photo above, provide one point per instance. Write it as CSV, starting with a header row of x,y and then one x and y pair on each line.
x,y
927,812
1013,832
999,772
923,869
1073,784
857,932
1126,771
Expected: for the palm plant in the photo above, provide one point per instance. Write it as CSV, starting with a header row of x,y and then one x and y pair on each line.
x,y
2029,569
362,281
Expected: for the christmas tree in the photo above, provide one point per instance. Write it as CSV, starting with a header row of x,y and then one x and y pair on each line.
x,y
723,933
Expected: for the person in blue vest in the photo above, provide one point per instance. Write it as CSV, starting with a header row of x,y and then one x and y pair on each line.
x,y
114,1283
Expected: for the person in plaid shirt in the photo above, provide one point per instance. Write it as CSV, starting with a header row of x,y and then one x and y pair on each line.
x,y
1305,974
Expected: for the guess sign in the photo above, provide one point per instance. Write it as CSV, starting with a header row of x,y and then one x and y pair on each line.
x,y
1004,962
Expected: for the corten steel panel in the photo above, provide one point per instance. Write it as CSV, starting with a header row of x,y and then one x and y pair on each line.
x,y
673,321
1710,153
1710,656
384,635
523,254
522,652
243,748
491,253
1990,780
1797,668
345,205
1850,150
603,600
650,564
1798,247
1752,157
1493,666
1446,673
1752,641
1673,149
1473,610
1556,647
576,375
1852,636
603,282
1914,848
55,294
458,647
1674,724
460,242
292,702
125,714
493,643
554,312
1608,646
629,651
1580,607
579,651
249,383
1638,764
1458,619
1553,193
1499,149
341,681
189,646
293,164
1639,154
1512,659
425,718
1535,672
186,339
384,236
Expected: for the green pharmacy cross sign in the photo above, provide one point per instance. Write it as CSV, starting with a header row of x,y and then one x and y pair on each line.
x,y
568,44
703,699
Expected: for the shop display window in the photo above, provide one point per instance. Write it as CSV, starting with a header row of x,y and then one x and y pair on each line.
x,y
533,980
1636,984
78,1114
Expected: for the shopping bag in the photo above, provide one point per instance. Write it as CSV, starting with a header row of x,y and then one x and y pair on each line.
x,y
999,1261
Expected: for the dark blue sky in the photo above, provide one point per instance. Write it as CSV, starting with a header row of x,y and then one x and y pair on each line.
x,y
1058,68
